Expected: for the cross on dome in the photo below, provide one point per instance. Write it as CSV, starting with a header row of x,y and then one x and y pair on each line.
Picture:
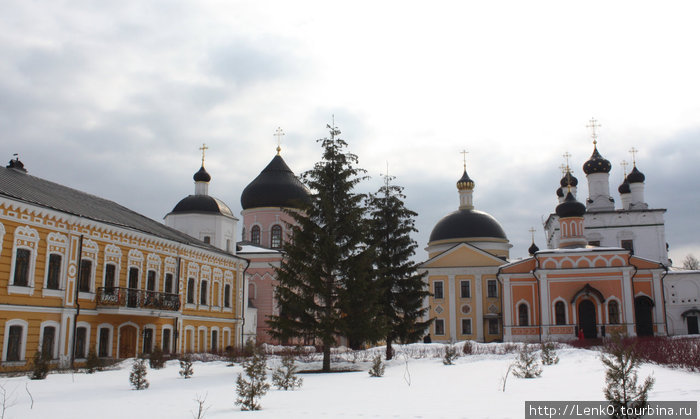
x,y
203,148
464,155
593,125
278,133
624,165
634,152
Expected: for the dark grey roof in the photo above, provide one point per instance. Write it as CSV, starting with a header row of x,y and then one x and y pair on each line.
x,y
22,187
202,204
275,186
467,224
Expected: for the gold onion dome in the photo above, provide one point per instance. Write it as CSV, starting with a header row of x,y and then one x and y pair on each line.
x,y
465,183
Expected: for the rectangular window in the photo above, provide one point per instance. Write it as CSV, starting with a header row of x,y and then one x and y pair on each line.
x,y
493,326
104,343
151,281
466,326
110,273
169,283
14,343
207,239
190,291
491,289
464,290
203,294
21,268
147,340
438,290
595,243
166,341
53,278
47,341
214,340
628,245
80,342
227,295
439,327
85,273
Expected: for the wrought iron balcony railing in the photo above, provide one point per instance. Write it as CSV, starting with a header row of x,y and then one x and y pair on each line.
x,y
135,298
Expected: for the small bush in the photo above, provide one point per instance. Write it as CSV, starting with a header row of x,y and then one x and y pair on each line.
x,y
450,355
549,353
137,378
285,376
377,369
157,359
186,369
468,348
40,367
251,389
93,362
526,365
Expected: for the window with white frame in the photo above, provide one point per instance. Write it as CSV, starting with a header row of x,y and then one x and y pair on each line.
x,y
227,295
523,315
85,275
466,326
439,327
16,338
53,271
81,342
438,290
464,289
613,312
48,342
104,342
491,289
559,313
22,262
203,293
493,326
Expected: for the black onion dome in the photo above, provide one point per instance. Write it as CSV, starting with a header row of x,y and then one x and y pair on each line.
x,y
533,249
560,192
596,164
275,186
201,175
568,180
570,207
635,176
465,182
202,204
467,223
624,187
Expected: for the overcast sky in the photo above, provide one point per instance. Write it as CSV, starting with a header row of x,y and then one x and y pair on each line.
x,y
115,98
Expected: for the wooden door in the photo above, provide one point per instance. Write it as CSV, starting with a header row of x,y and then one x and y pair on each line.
x,y
127,342
587,319
643,317
692,325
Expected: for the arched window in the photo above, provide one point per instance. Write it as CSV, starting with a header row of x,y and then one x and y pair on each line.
x,y
613,312
276,237
227,295
203,294
522,315
559,313
255,235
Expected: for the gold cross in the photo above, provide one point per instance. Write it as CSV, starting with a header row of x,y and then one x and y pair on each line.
x,y
624,165
563,169
566,155
593,125
203,148
634,152
464,154
279,133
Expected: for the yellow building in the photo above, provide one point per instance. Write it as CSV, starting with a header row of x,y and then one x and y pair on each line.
x,y
81,273
465,250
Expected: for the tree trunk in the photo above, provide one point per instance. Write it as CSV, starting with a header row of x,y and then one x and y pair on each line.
x,y
326,358
389,350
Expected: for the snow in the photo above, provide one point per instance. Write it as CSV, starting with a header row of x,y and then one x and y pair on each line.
x,y
416,385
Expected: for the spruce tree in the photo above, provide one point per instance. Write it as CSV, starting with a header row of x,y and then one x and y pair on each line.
x,y
526,365
255,386
402,289
325,261
137,377
285,376
621,388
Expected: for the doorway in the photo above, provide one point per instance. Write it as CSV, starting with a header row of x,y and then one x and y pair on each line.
x,y
642,315
692,325
127,341
587,319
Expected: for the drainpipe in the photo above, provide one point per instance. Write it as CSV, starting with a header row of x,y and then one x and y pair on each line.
x,y
176,331
663,297
500,295
634,306
247,261
77,301
539,299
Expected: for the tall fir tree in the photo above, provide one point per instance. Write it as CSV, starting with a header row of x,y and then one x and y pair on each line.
x,y
402,289
325,261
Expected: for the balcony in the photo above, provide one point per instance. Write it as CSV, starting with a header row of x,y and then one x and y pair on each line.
x,y
135,298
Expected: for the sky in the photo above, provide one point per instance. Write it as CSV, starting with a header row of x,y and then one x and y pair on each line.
x,y
116,98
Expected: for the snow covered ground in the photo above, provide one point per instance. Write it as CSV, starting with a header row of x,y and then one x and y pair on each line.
x,y
410,388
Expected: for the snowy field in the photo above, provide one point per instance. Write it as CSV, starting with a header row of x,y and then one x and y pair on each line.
x,y
410,388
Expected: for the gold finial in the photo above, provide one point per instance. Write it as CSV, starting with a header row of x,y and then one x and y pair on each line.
x,y
624,165
464,155
279,133
634,152
566,156
203,148
532,232
564,168
593,125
